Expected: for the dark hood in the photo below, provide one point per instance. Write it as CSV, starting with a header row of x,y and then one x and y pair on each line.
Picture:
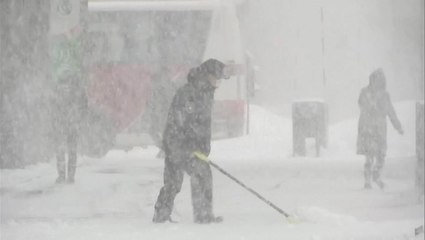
x,y
198,76
377,80
213,67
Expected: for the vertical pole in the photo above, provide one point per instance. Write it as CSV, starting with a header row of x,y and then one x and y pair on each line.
x,y
324,117
247,114
248,97
322,18
422,76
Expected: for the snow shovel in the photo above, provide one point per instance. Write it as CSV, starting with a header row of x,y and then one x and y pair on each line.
x,y
203,157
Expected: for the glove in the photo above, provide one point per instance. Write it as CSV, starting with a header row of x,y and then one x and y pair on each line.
x,y
200,156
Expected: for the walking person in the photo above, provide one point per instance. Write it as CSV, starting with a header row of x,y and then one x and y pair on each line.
x,y
69,106
188,130
68,100
375,105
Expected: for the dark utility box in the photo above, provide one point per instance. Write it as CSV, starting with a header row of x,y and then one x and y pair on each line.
x,y
309,120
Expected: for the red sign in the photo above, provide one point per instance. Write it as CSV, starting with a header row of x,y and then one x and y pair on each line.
x,y
120,91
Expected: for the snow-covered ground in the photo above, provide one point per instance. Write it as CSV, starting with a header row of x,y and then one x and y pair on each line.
x,y
113,196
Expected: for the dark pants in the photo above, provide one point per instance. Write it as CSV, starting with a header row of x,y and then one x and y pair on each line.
x,y
201,186
373,167
66,143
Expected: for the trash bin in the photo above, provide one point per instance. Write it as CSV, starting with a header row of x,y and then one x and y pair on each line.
x,y
420,146
309,120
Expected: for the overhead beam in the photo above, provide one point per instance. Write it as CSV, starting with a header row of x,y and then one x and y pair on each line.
x,y
114,6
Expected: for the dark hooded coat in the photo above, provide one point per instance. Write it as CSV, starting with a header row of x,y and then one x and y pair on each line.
x,y
188,127
375,105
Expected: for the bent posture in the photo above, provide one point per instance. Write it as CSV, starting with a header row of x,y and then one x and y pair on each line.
x,y
188,130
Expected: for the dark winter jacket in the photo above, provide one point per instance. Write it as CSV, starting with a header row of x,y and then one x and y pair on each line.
x,y
188,127
375,105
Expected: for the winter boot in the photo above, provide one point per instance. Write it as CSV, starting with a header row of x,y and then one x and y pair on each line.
x,y
377,179
379,182
70,180
72,161
61,168
210,219
376,173
161,218
367,184
60,179
162,214
368,173
71,174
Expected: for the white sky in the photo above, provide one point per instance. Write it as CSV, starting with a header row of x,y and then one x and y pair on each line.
x,y
359,36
